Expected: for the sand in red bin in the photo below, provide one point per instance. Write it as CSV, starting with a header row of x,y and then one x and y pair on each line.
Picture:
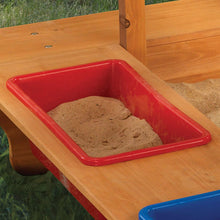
x,y
103,126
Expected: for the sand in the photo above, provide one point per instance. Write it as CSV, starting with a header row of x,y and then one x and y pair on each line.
x,y
204,95
103,126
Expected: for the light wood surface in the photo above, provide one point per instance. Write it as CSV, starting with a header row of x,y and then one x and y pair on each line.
x,y
174,32
132,27
182,45
119,191
186,60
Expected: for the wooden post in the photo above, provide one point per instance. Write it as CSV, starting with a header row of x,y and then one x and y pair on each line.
x,y
132,27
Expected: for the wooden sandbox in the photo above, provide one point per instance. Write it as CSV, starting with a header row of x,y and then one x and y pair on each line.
x,y
181,44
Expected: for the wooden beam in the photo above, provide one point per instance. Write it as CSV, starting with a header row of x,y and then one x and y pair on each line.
x,y
132,27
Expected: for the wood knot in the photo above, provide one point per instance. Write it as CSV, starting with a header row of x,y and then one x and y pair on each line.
x,y
124,22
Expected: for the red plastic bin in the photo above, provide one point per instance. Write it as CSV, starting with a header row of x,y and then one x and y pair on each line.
x,y
43,91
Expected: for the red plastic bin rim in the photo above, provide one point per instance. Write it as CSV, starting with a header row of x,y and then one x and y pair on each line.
x,y
99,161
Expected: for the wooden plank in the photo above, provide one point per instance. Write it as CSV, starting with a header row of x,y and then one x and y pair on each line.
x,y
181,17
186,60
184,37
118,191
132,27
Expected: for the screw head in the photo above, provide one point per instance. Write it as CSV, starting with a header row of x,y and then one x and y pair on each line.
x,y
34,33
48,46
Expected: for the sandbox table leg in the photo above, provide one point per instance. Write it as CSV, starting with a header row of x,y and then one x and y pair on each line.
x,y
21,158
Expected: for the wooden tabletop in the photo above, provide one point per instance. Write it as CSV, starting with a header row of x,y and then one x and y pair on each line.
x,y
120,190
182,38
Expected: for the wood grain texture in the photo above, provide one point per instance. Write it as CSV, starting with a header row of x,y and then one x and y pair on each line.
x,y
182,44
167,25
132,27
120,190
186,60
181,17
21,158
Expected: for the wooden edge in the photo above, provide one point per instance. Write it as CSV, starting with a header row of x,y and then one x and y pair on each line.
x,y
20,155
183,37
194,78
